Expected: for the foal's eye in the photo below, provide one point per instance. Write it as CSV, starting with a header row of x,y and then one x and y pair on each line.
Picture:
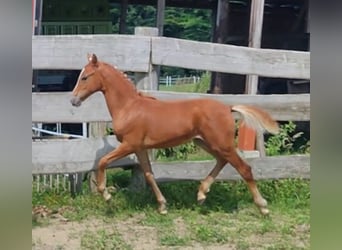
x,y
84,78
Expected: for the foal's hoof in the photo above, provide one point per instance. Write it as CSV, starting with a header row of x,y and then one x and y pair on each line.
x,y
264,211
107,196
162,209
200,201
201,198
111,189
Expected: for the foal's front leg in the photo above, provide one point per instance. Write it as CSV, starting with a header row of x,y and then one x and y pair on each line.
x,y
121,151
146,167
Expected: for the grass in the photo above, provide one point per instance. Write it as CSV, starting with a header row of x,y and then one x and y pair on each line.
x,y
178,88
227,218
201,87
198,155
102,239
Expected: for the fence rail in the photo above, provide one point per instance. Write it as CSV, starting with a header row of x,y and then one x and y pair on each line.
x,y
56,107
140,54
129,53
132,53
230,58
82,155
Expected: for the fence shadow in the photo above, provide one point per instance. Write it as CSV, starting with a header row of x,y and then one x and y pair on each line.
x,y
107,147
224,196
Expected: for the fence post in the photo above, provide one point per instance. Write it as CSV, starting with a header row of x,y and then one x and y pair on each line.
x,y
249,138
148,80
144,81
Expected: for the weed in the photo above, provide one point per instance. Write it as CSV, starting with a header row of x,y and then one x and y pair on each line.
x,y
180,152
242,245
266,226
285,142
154,219
172,239
103,240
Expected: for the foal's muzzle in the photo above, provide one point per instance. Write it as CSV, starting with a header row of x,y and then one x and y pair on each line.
x,y
76,101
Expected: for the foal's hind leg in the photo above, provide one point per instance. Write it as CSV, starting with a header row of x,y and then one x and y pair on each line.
x,y
245,171
206,183
146,167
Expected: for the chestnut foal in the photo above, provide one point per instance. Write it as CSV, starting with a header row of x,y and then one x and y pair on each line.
x,y
143,122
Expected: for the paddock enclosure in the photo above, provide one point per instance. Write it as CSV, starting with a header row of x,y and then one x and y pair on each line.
x,y
142,53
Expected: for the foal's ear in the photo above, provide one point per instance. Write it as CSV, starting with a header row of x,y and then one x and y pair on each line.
x,y
92,58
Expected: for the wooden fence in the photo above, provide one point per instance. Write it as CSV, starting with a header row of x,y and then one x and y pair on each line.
x,y
140,54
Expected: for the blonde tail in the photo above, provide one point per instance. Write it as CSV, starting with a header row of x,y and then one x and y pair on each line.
x,y
257,119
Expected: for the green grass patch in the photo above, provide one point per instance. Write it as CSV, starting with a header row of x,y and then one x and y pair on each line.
x,y
189,87
172,239
224,196
101,239
228,216
201,87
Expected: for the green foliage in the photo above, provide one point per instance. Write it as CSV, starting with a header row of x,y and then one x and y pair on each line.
x,y
109,131
180,152
185,23
137,15
290,193
285,142
204,84
50,198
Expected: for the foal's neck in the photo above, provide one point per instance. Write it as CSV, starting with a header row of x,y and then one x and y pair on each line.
x,y
119,90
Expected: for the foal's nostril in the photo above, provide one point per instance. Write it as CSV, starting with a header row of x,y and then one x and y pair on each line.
x,y
76,101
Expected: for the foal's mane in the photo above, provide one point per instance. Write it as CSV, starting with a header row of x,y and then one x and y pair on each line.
x,y
146,96
128,81
122,74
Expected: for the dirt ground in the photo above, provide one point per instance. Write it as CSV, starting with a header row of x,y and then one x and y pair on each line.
x,y
55,232
61,234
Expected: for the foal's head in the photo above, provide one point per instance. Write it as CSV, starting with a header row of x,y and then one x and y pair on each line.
x,y
88,82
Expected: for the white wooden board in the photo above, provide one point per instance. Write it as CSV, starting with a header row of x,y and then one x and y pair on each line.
x,y
127,52
56,107
230,59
